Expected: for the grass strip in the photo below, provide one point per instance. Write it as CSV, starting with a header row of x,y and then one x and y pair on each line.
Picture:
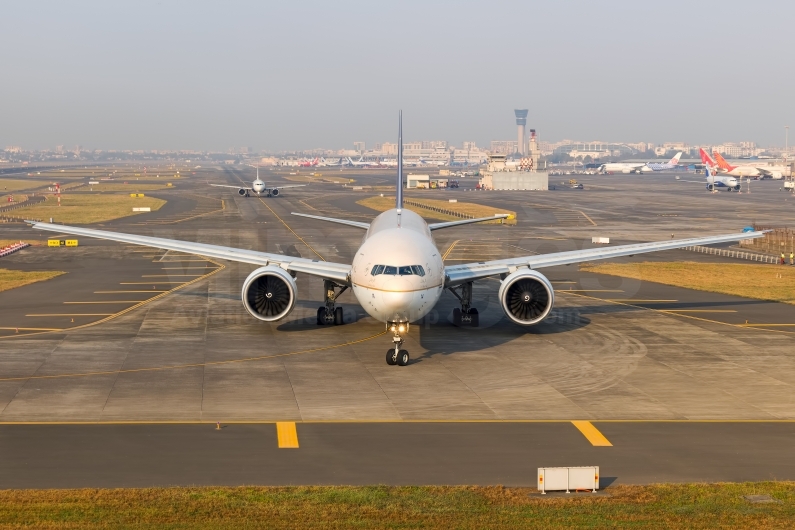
x,y
774,283
9,279
697,506
80,208
426,208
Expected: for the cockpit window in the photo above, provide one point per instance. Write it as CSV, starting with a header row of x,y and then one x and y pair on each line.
x,y
405,270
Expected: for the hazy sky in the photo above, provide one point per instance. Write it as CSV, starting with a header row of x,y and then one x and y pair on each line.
x,y
291,75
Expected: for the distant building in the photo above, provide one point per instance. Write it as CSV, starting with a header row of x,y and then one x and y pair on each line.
x,y
359,146
504,147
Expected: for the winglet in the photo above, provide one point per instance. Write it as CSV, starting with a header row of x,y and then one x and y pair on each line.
x,y
399,190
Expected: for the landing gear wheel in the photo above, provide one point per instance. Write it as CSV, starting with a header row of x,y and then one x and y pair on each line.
x,y
475,318
402,358
338,317
321,316
457,317
391,358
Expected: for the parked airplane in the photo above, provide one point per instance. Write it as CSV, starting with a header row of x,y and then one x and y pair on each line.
x,y
309,163
757,170
398,273
358,163
259,188
671,164
328,163
714,179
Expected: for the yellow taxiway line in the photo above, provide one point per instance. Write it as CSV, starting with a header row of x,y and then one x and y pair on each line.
x,y
450,249
70,315
287,435
108,302
593,435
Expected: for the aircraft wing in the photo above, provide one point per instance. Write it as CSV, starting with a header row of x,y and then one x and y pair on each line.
x,y
235,187
457,274
448,224
284,187
339,272
357,224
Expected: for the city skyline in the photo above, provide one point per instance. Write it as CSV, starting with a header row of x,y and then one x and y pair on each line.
x,y
178,75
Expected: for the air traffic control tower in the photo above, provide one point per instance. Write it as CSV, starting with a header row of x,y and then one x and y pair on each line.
x,y
521,121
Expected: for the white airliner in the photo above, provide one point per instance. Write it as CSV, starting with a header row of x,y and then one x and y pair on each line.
x,y
639,167
397,274
259,188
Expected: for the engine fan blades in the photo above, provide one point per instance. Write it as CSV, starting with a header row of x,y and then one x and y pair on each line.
x,y
269,296
527,299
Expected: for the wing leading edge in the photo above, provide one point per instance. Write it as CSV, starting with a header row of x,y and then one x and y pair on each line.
x,y
333,271
458,274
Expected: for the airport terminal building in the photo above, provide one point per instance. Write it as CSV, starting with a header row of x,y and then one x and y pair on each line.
x,y
503,175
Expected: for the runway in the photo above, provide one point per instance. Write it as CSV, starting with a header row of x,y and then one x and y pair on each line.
x,y
614,349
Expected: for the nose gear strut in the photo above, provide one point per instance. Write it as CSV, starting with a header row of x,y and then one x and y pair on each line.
x,y
396,356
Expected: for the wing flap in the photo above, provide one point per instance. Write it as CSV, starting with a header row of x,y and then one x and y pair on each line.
x,y
472,271
448,224
324,269
357,224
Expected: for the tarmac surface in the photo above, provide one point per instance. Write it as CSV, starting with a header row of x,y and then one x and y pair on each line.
x,y
674,379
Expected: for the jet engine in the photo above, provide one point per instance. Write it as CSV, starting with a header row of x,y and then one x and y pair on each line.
x,y
275,192
269,293
526,297
242,192
710,187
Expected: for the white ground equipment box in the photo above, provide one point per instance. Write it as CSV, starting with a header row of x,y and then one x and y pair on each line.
x,y
568,478
600,240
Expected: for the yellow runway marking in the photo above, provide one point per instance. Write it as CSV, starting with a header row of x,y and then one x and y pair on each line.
x,y
301,239
634,300
701,319
698,310
764,325
148,283
355,422
450,249
119,292
35,329
287,435
184,268
168,275
586,216
593,435
70,315
594,290
194,365
107,302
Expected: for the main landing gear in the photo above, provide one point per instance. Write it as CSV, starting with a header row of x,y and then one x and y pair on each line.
x,y
467,316
396,356
329,314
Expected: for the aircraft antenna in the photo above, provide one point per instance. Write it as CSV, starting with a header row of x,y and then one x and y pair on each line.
x,y
399,190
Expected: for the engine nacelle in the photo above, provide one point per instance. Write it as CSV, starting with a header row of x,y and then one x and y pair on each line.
x,y
626,171
275,192
269,293
242,192
526,296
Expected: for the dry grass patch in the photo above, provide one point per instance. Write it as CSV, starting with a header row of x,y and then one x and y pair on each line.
x,y
31,242
84,209
738,279
11,185
699,506
130,187
10,279
426,206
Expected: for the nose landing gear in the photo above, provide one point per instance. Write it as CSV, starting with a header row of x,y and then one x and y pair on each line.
x,y
396,356
328,313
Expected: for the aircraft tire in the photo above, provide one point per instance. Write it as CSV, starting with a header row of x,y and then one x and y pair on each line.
x,y
403,358
338,317
321,316
390,357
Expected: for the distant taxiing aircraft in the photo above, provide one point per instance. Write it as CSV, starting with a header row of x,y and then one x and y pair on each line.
x,y
258,188
398,273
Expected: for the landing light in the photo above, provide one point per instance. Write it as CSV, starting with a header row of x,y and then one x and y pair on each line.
x,y
393,328
402,328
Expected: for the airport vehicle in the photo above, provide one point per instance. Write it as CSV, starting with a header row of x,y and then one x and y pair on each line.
x,y
398,274
259,188
756,171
